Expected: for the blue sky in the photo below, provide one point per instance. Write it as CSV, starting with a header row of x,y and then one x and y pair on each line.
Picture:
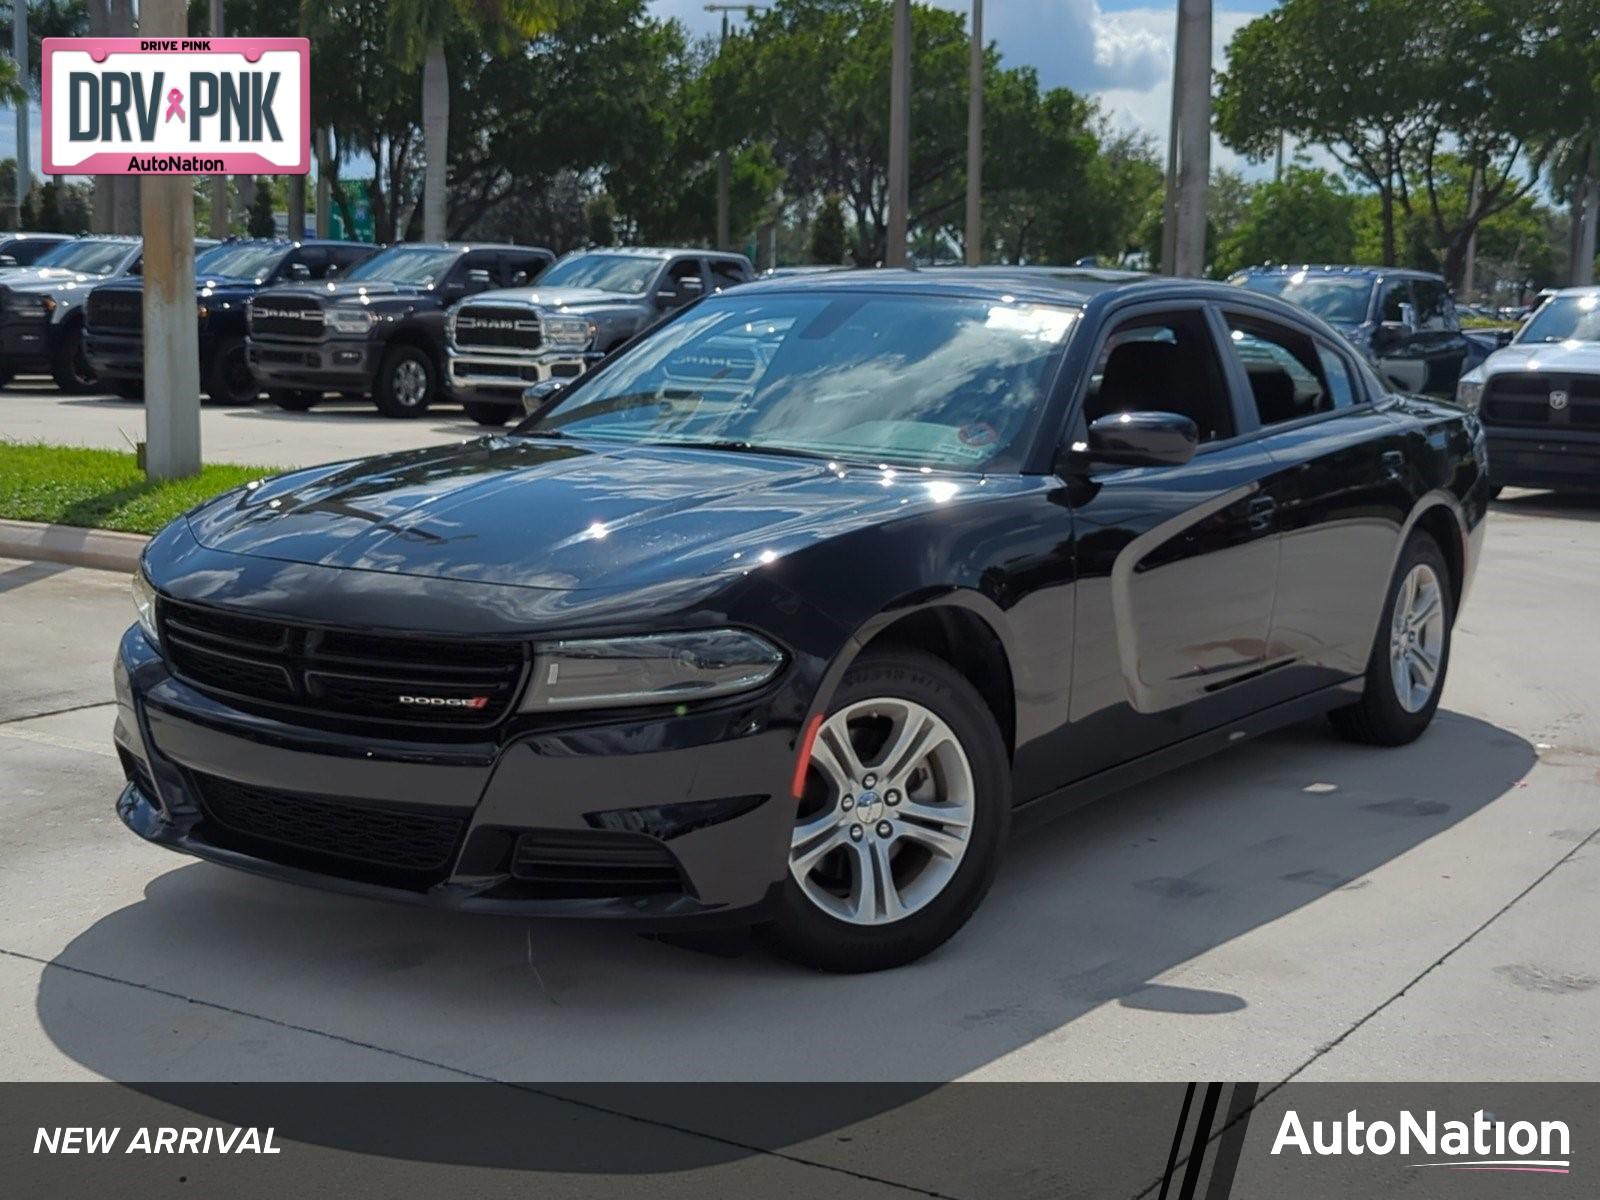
x,y
1119,51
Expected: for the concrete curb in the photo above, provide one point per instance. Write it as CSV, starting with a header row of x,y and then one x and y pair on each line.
x,y
102,549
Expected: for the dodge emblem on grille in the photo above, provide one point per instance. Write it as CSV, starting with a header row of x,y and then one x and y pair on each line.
x,y
447,701
1558,400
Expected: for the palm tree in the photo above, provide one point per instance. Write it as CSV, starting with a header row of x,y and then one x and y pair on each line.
x,y
417,31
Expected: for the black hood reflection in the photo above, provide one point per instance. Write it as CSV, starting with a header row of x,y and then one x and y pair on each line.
x,y
565,515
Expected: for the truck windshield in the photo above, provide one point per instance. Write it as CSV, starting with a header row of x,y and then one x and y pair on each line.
x,y
625,274
1565,319
1342,301
913,381
241,260
89,256
421,266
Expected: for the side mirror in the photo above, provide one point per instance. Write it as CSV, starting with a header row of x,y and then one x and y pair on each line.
x,y
478,280
1136,439
7,260
299,272
542,395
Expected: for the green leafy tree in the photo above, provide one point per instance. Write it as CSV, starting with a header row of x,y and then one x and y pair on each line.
x,y
829,241
1308,216
600,220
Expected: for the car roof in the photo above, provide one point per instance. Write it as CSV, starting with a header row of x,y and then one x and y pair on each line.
x,y
1589,289
661,252
1050,285
1362,271
18,235
285,241
465,246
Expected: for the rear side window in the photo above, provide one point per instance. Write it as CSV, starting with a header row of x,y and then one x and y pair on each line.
x,y
1285,368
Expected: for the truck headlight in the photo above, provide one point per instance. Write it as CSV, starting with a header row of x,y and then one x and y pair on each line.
x,y
345,319
662,668
1469,392
144,602
568,333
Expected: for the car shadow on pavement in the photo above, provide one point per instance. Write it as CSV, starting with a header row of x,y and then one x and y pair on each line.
x,y
1089,910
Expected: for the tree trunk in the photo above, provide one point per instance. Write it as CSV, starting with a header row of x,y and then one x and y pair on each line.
x,y
1388,227
435,142
1583,263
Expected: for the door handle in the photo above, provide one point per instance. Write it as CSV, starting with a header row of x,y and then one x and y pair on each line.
x,y
1260,511
1394,463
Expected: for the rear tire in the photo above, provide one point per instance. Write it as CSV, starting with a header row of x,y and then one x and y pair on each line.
x,y
1406,671
300,400
493,415
229,381
1494,492
883,872
407,384
70,367
6,376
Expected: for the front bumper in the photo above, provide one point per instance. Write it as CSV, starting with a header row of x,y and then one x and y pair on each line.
x,y
120,355
501,379
335,364
1566,459
26,342
704,795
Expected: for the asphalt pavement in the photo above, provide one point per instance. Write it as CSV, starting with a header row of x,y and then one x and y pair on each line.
x,y
1297,908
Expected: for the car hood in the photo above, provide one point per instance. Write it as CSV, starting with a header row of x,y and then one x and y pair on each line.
x,y
48,279
347,289
1558,357
553,297
566,515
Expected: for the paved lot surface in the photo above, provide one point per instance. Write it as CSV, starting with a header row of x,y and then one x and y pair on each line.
x,y
32,410
1297,908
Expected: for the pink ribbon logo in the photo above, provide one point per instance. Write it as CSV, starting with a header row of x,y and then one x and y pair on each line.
x,y
175,105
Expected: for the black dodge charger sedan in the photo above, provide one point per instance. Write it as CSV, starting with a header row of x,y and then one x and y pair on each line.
x,y
780,614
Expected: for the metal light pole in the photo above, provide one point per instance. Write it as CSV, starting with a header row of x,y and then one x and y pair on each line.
x,y
1192,106
724,220
894,253
171,334
975,141
19,52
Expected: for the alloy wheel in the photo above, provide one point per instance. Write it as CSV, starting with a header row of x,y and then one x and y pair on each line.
x,y
887,812
410,383
1416,638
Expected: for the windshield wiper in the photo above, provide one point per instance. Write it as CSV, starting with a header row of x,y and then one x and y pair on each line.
x,y
745,447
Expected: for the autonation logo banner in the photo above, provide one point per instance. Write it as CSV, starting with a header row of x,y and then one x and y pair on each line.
x,y
1480,1143
177,106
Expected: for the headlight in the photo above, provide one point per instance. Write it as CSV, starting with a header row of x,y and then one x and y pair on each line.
x,y
650,669
1469,392
568,333
349,320
144,601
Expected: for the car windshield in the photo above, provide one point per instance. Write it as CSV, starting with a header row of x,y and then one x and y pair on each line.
x,y
627,274
419,265
1328,296
88,256
935,381
1565,319
241,260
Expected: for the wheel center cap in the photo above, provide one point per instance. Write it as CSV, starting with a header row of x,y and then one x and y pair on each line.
x,y
869,807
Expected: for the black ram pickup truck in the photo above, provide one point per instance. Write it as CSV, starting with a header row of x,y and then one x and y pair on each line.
x,y
225,279
378,331
582,308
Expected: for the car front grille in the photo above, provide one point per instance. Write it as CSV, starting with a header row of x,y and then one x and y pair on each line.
x,y
1533,398
445,683
300,829
287,317
497,327
114,311
583,863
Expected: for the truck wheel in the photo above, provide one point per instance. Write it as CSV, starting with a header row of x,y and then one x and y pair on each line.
x,y
493,415
6,375
298,400
407,383
229,380
70,368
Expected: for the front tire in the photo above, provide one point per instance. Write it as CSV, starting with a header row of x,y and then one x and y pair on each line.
x,y
903,818
408,383
70,367
492,415
297,400
1405,674
229,380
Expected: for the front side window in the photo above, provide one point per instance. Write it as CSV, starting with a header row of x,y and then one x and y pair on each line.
x,y
1391,305
1565,319
417,266
1286,372
1433,304
625,274
910,381
87,256
1165,363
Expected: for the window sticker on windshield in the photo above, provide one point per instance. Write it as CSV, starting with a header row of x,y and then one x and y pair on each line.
x,y
978,435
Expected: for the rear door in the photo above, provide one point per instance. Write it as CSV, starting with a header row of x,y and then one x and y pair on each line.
x,y
1340,491
1177,565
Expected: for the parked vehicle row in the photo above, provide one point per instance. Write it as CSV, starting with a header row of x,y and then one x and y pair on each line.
x,y
779,614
